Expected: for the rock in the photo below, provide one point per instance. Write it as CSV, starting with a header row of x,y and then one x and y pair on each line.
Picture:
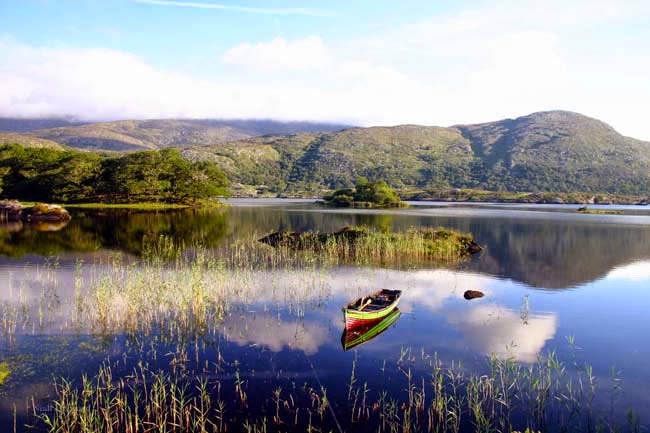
x,y
10,210
14,211
310,239
582,209
45,212
48,226
285,239
474,248
472,294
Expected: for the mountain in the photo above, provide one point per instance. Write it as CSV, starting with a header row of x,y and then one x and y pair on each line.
x,y
133,135
19,124
28,141
545,151
556,151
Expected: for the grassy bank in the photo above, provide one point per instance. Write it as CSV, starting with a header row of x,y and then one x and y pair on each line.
x,y
477,195
134,206
599,211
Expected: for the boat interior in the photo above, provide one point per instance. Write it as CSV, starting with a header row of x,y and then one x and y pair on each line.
x,y
376,301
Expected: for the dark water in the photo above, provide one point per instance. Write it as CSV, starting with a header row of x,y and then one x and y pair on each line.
x,y
551,277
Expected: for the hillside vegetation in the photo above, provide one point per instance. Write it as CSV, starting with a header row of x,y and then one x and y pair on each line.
x,y
42,174
29,141
547,151
554,151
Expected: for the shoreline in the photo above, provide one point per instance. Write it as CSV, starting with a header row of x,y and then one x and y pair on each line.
x,y
482,196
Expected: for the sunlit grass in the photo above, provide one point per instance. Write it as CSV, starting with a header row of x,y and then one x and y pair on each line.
x,y
133,206
428,396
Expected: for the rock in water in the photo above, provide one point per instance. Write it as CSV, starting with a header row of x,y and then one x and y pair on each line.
x,y
14,211
472,294
45,212
10,210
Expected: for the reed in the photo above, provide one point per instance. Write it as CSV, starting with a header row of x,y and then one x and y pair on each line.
x,y
508,397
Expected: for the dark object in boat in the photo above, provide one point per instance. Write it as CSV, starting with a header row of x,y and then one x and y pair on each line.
x,y
370,308
472,294
369,330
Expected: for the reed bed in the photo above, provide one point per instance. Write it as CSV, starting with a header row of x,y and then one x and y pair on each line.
x,y
508,397
353,246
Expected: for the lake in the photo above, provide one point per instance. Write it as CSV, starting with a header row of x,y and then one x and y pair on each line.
x,y
575,287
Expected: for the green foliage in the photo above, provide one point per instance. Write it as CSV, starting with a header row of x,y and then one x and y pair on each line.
x,y
41,174
365,194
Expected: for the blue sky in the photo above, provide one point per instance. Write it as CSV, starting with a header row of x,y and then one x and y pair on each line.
x,y
366,62
167,36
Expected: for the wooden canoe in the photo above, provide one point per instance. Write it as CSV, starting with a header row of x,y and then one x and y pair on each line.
x,y
370,308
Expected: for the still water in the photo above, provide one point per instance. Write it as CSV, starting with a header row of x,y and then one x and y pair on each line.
x,y
554,281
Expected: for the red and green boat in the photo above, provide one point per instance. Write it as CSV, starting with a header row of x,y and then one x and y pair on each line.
x,y
370,308
362,334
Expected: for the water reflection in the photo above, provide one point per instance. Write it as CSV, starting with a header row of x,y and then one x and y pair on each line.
x,y
275,333
545,253
493,330
352,338
638,271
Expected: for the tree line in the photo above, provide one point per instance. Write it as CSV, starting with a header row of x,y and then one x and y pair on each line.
x,y
41,174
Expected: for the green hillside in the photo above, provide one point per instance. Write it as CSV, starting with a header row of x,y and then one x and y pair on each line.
x,y
548,151
554,151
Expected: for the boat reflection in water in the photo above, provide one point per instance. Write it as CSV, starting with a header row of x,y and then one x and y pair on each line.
x,y
370,329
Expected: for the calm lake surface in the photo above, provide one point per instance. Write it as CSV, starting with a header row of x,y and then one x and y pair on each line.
x,y
554,281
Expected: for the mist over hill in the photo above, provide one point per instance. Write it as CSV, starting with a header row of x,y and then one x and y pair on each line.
x,y
134,135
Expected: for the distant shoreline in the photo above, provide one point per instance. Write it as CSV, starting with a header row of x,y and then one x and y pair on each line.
x,y
481,196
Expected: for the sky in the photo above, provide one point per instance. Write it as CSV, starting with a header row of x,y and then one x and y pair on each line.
x,y
379,62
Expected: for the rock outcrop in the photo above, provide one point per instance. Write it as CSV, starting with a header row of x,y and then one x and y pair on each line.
x,y
15,211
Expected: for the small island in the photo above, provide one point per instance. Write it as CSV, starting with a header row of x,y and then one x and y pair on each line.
x,y
363,245
365,194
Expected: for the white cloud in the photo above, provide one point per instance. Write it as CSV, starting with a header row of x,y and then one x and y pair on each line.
x,y
499,60
301,54
494,330
638,271
275,334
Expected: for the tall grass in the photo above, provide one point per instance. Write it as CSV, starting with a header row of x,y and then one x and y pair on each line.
x,y
441,398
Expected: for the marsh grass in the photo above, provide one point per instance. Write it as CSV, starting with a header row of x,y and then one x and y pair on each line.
x,y
434,397
365,246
